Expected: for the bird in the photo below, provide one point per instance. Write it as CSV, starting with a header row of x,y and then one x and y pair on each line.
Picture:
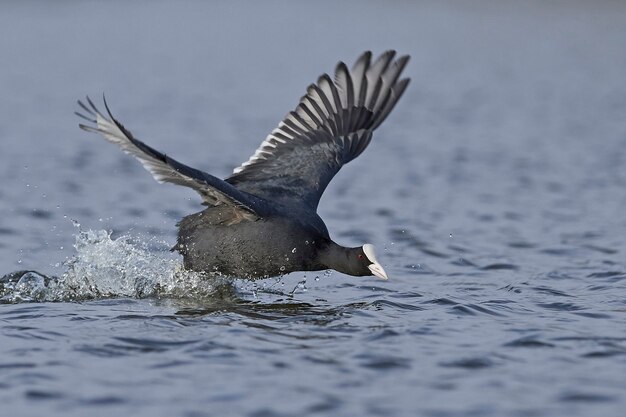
x,y
262,220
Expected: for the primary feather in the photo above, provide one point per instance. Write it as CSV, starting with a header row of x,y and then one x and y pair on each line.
x,y
332,125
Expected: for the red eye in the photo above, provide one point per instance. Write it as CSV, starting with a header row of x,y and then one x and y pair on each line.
x,y
360,256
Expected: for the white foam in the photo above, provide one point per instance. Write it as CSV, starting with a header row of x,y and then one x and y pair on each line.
x,y
105,268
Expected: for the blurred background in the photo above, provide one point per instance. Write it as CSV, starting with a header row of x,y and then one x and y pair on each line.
x,y
495,192
496,86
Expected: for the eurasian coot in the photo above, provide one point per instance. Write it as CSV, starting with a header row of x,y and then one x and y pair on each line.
x,y
262,221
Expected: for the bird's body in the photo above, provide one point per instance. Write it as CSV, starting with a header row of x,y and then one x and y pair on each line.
x,y
279,243
262,221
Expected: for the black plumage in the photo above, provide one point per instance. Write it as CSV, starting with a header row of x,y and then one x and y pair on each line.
x,y
262,221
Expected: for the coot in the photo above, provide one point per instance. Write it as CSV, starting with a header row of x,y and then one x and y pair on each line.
x,y
262,221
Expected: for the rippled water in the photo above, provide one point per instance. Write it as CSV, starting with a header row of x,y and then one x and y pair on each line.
x,y
495,192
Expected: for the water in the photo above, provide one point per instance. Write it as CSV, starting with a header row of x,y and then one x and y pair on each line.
x,y
494,193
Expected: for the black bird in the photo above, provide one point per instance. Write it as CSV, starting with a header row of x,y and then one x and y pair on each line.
x,y
262,221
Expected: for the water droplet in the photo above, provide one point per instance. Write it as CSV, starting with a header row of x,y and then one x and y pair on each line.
x,y
282,268
293,250
317,278
450,235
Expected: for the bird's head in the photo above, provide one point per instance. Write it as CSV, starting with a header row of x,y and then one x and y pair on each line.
x,y
369,265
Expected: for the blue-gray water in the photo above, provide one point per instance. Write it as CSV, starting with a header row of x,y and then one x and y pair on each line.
x,y
495,193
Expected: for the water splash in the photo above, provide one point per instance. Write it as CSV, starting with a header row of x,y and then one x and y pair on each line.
x,y
300,287
105,268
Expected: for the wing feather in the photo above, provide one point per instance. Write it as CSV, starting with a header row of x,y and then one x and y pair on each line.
x,y
332,124
214,191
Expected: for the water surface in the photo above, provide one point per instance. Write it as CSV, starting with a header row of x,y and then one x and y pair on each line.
x,y
495,194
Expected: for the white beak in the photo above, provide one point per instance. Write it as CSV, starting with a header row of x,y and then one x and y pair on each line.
x,y
378,271
375,267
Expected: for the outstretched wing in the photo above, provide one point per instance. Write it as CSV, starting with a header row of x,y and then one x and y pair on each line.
x,y
332,125
213,190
